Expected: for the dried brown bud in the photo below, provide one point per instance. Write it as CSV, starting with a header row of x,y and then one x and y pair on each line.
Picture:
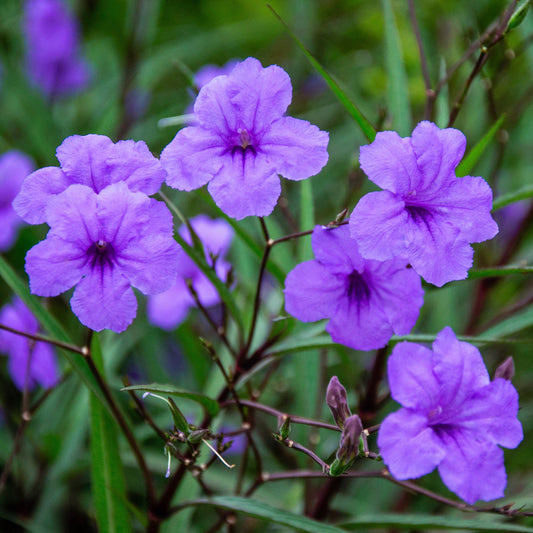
x,y
336,400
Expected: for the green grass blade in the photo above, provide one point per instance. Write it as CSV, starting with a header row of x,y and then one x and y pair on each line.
x,y
266,512
507,199
467,164
210,405
416,522
398,90
50,324
367,128
518,322
108,486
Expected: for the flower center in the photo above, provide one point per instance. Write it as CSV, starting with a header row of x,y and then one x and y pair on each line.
x,y
357,287
418,213
244,143
101,253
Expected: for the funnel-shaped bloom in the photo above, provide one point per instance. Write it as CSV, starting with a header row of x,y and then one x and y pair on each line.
x,y
52,48
241,141
169,309
366,301
425,214
104,244
94,161
29,362
453,417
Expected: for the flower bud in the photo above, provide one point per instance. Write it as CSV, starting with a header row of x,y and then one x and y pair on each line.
x,y
505,370
336,400
284,423
348,447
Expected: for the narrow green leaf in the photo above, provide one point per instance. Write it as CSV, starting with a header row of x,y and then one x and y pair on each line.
x,y
202,264
518,16
497,272
417,522
518,322
442,106
398,90
210,405
266,512
367,128
108,486
298,344
50,324
479,340
510,198
179,419
467,164
307,219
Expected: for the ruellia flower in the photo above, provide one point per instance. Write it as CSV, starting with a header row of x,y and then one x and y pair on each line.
x,y
366,300
241,141
94,161
29,362
425,214
168,309
104,244
14,167
53,59
452,418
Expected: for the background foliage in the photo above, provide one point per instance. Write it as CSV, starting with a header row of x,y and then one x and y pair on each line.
x,y
142,55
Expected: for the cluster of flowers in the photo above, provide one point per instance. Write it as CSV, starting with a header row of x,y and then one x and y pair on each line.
x,y
107,235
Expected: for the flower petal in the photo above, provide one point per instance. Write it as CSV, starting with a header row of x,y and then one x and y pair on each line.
x,y
334,248
438,152
435,247
216,235
466,203
473,468
296,148
44,369
36,190
104,300
390,162
168,309
359,324
54,266
408,446
82,159
459,368
312,292
245,186
411,379
192,158
377,223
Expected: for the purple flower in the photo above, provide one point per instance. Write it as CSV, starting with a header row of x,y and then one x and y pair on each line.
x,y
425,214
208,72
29,362
14,167
453,418
52,48
366,300
104,244
94,161
242,141
170,308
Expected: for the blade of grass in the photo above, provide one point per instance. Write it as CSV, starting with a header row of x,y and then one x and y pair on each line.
x,y
398,91
467,164
367,128
108,485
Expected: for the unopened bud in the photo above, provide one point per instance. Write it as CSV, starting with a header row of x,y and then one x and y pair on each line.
x,y
348,447
336,400
518,16
197,435
505,370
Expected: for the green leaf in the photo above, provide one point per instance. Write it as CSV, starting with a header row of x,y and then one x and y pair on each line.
x,y
202,264
108,486
497,272
518,16
417,522
264,511
514,324
479,340
367,128
307,220
467,164
398,90
51,325
210,405
298,344
510,198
